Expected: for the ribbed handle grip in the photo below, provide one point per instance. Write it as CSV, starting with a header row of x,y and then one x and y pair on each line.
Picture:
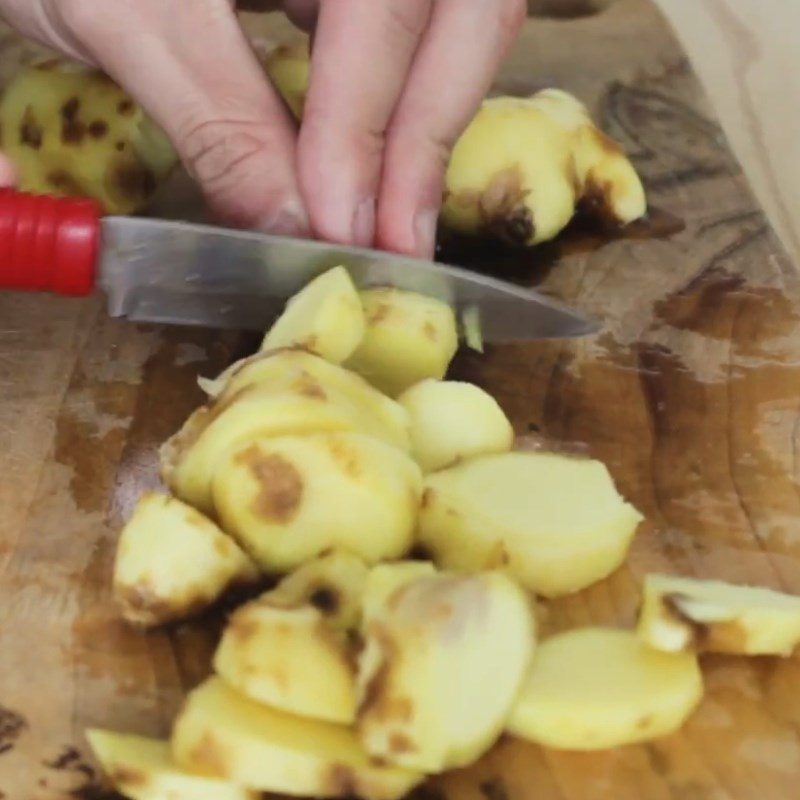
x,y
48,244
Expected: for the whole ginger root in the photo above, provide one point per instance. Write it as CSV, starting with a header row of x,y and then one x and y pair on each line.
x,y
524,165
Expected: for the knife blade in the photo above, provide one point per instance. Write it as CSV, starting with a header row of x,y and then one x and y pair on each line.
x,y
177,272
184,273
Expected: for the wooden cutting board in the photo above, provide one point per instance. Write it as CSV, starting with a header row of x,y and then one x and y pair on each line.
x,y
691,395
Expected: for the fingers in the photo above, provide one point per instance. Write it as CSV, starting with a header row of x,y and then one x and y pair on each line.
x,y
362,53
452,72
188,63
8,175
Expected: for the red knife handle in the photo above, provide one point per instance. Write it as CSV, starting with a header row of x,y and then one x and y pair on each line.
x,y
48,244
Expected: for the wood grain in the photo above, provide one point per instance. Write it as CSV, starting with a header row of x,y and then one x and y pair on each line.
x,y
689,394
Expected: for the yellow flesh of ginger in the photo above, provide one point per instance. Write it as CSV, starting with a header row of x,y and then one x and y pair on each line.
x,y
409,337
290,659
524,165
287,369
432,647
142,769
686,614
596,688
453,421
519,512
304,406
332,583
326,318
288,67
171,562
288,499
222,734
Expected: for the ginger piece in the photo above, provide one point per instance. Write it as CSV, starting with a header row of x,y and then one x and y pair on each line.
x,y
173,562
554,522
524,165
691,615
596,688
70,131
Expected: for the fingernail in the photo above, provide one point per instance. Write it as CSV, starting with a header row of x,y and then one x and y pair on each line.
x,y
290,220
363,232
425,224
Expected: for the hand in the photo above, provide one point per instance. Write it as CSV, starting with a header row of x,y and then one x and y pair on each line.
x,y
394,83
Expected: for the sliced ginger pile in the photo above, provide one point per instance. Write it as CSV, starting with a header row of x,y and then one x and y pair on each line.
x,y
362,671
518,173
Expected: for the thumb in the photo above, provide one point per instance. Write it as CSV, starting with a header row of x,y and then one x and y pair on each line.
x,y
190,66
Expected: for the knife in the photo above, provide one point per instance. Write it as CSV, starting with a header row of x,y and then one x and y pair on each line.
x,y
187,274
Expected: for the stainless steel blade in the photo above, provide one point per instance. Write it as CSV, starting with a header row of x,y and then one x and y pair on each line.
x,y
187,274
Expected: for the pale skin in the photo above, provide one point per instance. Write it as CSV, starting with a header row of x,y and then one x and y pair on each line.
x,y
393,84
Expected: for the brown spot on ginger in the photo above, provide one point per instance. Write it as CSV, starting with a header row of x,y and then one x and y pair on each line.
x,y
420,552
125,108
69,111
378,701
597,201
64,182
208,758
280,484
326,598
131,180
72,129
241,626
502,208
308,387
339,780
346,457
724,636
497,557
98,129
31,133
379,313
399,743
127,777
222,546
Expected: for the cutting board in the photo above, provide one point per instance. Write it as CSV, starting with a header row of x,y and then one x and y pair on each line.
x,y
690,394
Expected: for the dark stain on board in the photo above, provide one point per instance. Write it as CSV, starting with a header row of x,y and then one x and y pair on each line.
x,y
12,726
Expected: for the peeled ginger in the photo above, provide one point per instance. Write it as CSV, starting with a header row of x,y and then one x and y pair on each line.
x,y
288,499
524,165
325,318
292,648
595,688
172,562
452,421
409,337
222,734
686,614
143,769
443,661
554,522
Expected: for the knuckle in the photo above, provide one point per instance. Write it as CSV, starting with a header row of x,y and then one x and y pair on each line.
x,y
325,135
218,152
